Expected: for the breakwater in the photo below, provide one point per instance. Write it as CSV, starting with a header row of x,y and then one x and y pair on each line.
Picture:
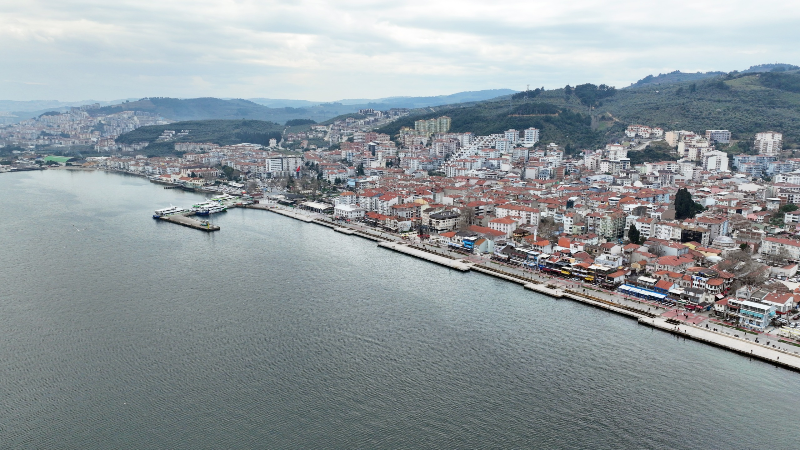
x,y
189,222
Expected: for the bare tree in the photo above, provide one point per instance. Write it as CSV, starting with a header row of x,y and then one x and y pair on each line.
x,y
548,229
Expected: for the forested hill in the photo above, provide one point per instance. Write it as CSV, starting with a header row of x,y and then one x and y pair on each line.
x,y
215,108
744,103
222,132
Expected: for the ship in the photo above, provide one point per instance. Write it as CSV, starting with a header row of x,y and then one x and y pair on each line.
x,y
171,211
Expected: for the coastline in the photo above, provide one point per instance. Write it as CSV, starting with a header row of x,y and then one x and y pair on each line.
x,y
744,347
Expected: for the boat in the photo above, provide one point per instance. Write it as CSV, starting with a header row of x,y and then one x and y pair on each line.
x,y
171,211
208,207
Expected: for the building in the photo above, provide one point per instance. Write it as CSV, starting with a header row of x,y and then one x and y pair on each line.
x,y
348,211
505,225
530,137
443,221
715,161
753,315
721,136
769,143
432,126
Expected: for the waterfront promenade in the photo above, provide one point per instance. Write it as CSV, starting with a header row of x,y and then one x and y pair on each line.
x,y
680,323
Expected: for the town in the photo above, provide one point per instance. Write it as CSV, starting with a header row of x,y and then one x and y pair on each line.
x,y
709,236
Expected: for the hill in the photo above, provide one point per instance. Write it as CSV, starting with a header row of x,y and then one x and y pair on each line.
x,y
211,109
744,103
562,124
353,105
222,132
674,77
280,111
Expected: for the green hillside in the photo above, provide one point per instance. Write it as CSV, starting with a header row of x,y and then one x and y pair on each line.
x,y
222,132
589,116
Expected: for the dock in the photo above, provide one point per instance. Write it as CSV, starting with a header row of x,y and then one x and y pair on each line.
x,y
187,221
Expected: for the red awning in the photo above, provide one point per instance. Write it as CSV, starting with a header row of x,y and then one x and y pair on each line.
x,y
780,312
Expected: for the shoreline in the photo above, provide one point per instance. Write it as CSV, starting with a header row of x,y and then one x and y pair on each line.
x,y
717,339
743,347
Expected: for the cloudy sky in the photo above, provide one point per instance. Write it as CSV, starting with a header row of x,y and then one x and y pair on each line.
x,y
316,50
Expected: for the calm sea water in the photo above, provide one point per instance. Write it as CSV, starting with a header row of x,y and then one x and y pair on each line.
x,y
117,331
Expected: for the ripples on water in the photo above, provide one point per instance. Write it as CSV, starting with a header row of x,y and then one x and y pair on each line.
x,y
122,332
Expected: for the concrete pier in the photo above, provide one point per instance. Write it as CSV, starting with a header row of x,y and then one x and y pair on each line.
x,y
190,222
508,276
402,248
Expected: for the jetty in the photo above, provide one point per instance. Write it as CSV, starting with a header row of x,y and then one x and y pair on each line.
x,y
187,221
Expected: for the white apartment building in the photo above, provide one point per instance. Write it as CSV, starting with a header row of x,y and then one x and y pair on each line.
x,y
769,143
530,137
715,161
512,136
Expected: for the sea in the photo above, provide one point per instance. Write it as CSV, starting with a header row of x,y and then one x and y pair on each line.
x,y
118,331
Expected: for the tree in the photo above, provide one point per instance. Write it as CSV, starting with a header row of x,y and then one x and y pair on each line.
x,y
633,235
685,207
360,169
547,229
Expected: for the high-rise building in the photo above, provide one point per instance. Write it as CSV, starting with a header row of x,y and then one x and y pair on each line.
x,y
530,137
769,143
512,136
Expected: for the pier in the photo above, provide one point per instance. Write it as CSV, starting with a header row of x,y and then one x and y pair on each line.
x,y
187,221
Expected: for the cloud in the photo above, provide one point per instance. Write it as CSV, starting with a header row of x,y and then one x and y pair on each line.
x,y
326,50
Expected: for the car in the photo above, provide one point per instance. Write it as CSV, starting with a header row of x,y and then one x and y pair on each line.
x,y
797,317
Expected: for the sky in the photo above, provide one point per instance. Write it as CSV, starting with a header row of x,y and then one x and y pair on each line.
x,y
72,50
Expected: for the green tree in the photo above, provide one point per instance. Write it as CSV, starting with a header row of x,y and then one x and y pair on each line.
x,y
360,169
633,235
685,207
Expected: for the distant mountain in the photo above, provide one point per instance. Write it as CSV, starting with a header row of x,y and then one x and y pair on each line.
x,y
353,105
282,103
